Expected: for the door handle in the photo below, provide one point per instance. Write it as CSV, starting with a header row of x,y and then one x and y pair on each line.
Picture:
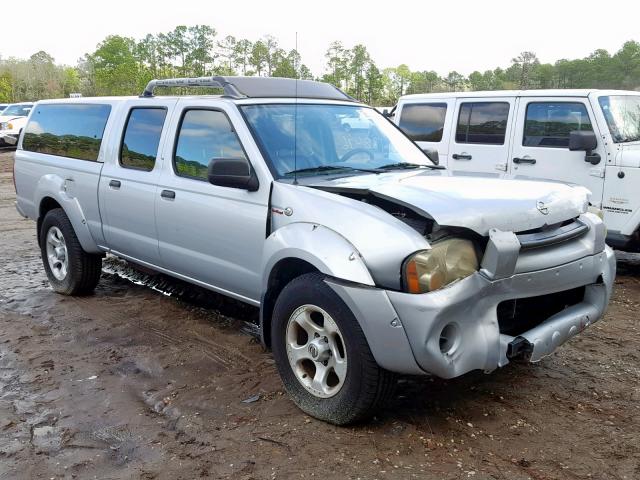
x,y
530,161
461,156
114,183
170,194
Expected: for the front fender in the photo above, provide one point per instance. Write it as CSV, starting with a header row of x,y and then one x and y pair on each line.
x,y
326,250
61,191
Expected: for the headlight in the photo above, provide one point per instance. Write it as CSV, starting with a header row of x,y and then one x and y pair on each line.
x,y
9,126
4,125
447,261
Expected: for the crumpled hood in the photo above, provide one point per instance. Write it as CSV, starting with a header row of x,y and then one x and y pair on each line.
x,y
475,202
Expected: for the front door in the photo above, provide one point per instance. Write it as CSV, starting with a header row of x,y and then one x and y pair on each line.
x,y
129,178
481,133
210,234
541,143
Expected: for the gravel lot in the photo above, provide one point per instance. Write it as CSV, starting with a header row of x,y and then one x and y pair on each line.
x,y
134,383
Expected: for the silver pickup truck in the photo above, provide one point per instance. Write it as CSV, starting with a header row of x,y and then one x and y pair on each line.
x,y
366,258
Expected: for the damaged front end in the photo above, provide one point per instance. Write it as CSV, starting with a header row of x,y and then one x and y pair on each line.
x,y
468,293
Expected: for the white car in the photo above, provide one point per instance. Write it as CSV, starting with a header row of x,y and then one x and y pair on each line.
x,y
585,137
12,121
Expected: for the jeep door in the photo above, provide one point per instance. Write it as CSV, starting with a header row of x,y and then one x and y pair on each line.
x,y
541,143
480,137
128,182
211,235
428,123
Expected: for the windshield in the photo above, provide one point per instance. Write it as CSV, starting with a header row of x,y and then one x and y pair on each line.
x,y
17,110
622,113
324,139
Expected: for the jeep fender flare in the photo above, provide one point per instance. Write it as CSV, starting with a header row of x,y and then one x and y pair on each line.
x,y
53,186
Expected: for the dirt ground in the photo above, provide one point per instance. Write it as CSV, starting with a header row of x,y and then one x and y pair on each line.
x,y
134,383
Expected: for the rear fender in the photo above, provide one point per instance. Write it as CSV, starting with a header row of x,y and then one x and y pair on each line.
x,y
61,191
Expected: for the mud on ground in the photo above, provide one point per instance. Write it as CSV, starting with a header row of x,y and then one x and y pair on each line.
x,y
132,383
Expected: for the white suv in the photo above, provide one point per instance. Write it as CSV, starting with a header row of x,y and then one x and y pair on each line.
x,y
584,137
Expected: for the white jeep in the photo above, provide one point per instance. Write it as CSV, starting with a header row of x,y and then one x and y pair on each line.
x,y
584,137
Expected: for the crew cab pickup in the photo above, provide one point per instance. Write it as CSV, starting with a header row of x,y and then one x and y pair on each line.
x,y
366,259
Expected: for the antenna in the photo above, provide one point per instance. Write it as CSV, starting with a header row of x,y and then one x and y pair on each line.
x,y
295,117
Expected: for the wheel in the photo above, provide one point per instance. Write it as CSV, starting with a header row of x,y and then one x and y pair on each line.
x,y
71,270
323,356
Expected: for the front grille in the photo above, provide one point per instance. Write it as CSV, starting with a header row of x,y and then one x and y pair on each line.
x,y
552,235
520,315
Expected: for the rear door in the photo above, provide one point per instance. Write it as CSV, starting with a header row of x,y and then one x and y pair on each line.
x,y
128,183
480,135
428,123
541,143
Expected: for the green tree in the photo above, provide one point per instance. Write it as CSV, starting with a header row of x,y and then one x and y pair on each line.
x,y
258,59
115,67
242,55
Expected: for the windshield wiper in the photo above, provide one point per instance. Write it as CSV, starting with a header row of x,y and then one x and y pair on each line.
x,y
330,168
408,166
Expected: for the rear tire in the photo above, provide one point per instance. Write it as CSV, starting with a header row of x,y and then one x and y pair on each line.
x,y
70,270
359,387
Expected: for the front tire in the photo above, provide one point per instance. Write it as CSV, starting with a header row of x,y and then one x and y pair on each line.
x,y
70,270
322,354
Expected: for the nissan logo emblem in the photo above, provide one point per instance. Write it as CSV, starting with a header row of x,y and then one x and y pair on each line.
x,y
542,208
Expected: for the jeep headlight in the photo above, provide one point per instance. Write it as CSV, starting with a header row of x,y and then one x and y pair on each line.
x,y
4,126
448,260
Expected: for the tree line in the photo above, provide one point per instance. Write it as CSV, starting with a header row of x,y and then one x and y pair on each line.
x,y
123,66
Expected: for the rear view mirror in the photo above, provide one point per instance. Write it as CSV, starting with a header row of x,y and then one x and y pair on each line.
x,y
432,154
233,173
587,142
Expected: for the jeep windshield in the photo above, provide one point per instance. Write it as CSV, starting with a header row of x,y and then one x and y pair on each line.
x,y
325,139
622,113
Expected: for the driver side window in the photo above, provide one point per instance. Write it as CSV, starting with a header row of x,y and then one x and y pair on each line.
x,y
202,136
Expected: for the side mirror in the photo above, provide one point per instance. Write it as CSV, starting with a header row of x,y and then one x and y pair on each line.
x,y
432,154
233,173
587,142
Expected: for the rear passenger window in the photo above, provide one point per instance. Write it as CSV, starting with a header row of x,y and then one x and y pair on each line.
x,y
141,138
204,135
482,122
548,124
423,122
67,130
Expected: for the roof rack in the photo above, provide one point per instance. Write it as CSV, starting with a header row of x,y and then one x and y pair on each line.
x,y
256,87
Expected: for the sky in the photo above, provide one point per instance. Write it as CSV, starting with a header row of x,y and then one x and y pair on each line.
x,y
459,35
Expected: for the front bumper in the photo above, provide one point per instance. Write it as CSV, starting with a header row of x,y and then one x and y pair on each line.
x,y
9,138
405,331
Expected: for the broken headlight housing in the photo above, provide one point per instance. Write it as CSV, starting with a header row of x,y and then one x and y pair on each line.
x,y
448,260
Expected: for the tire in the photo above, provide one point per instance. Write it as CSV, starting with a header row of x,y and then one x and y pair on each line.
x,y
82,270
365,387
